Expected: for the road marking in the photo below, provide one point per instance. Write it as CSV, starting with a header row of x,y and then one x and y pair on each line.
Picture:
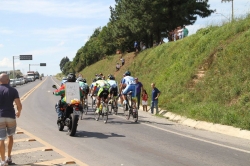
x,y
47,145
67,160
191,137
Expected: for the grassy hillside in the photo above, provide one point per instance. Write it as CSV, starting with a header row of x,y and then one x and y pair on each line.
x,y
204,76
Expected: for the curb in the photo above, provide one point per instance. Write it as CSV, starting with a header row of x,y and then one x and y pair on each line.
x,y
218,128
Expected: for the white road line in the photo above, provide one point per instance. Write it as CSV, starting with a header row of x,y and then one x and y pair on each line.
x,y
191,137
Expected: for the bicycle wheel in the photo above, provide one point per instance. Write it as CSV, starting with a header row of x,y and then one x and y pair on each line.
x,y
82,114
110,106
85,108
93,102
135,115
97,115
105,113
114,107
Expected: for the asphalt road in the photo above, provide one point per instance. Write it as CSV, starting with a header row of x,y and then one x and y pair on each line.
x,y
152,141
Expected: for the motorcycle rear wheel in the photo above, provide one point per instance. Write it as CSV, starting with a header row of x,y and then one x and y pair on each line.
x,y
73,124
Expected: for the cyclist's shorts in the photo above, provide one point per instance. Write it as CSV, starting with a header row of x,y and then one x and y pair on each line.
x,y
103,92
96,91
85,90
130,87
7,127
113,91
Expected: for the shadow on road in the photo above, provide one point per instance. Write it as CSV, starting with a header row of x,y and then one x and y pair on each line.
x,y
87,134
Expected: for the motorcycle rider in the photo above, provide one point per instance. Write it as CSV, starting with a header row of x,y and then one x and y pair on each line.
x,y
61,92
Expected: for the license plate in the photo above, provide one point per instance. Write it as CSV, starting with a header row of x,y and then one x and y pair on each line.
x,y
76,112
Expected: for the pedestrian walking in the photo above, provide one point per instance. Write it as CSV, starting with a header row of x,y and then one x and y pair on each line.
x,y
139,88
8,95
155,95
144,100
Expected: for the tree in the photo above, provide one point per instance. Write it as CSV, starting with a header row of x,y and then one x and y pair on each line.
x,y
63,62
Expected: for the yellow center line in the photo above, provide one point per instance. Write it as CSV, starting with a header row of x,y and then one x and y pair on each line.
x,y
67,156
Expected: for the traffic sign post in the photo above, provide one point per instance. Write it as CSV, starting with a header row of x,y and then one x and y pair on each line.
x,y
25,57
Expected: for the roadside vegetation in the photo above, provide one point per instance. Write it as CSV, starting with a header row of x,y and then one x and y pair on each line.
x,y
204,76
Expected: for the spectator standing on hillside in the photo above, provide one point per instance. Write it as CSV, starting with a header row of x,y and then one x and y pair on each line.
x,y
118,66
185,31
155,95
138,92
141,45
136,46
123,61
7,116
179,33
144,100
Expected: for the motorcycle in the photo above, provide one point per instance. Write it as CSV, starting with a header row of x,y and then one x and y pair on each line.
x,y
71,113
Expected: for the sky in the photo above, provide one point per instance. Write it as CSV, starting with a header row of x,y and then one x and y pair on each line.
x,y
52,29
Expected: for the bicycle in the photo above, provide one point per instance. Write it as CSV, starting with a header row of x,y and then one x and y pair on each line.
x,y
130,109
103,111
93,102
85,106
113,105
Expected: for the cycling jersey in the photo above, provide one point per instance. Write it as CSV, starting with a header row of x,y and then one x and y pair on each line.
x,y
128,80
112,83
103,88
84,86
113,87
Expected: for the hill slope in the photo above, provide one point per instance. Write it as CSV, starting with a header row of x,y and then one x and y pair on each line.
x,y
204,76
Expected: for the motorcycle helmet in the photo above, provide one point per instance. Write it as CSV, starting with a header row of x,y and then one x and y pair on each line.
x,y
127,73
71,77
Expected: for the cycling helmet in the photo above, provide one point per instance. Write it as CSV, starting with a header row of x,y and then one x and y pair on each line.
x,y
79,79
127,73
111,77
94,80
84,80
98,78
71,77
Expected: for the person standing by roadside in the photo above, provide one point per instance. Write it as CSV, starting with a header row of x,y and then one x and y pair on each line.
x,y
138,92
185,31
8,116
155,95
144,100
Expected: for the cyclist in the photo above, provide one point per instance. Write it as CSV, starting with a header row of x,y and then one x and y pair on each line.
x,y
113,88
84,88
103,91
61,92
128,83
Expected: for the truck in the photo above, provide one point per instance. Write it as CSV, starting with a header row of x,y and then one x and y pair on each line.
x,y
31,74
37,75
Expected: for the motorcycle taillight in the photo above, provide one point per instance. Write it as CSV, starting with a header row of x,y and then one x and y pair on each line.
x,y
77,108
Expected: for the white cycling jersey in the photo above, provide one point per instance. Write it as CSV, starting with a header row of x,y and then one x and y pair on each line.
x,y
128,80
112,83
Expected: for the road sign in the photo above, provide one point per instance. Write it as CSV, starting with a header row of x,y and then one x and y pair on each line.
x,y
42,64
25,57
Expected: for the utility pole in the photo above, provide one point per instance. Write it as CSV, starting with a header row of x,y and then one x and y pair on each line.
x,y
232,7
